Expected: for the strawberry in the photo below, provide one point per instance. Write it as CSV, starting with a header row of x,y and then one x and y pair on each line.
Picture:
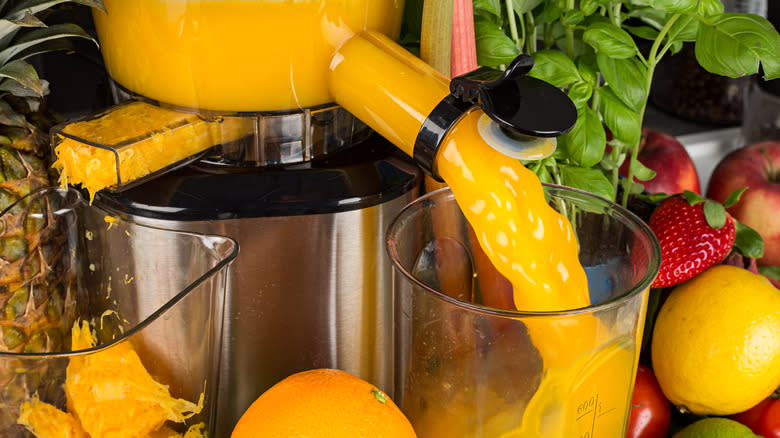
x,y
694,233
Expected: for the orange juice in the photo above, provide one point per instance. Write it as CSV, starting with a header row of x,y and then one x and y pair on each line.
x,y
528,242
233,55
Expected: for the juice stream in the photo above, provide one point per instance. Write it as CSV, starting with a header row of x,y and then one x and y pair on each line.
x,y
530,243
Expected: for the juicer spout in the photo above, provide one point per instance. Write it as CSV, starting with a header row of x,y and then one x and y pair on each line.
x,y
416,108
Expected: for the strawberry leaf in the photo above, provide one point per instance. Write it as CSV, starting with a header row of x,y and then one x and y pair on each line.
x,y
748,242
734,197
714,214
772,272
692,198
655,198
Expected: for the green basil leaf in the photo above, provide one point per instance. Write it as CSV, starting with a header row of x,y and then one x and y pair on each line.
x,y
579,93
610,40
590,180
523,6
573,17
676,47
684,29
550,13
676,6
653,17
589,6
625,123
641,172
644,32
710,7
587,140
555,67
491,6
494,48
588,68
734,44
626,77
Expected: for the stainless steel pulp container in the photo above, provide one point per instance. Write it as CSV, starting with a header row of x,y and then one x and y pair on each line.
x,y
311,286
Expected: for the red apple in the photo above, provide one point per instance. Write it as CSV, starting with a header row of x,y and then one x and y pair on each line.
x,y
673,166
756,167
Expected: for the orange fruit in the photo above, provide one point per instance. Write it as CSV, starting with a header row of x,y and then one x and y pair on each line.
x,y
323,403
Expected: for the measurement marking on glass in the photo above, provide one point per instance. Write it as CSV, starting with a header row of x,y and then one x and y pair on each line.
x,y
591,406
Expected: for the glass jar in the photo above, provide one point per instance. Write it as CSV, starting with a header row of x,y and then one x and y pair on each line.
x,y
683,88
762,111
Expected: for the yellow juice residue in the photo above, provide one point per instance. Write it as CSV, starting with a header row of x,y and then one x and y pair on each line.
x,y
233,55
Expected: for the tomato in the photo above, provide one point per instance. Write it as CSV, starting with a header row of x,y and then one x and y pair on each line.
x,y
769,426
650,410
753,416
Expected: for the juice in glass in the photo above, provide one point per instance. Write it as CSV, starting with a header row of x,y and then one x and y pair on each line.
x,y
453,378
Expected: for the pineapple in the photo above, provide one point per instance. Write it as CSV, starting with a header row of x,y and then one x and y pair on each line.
x,y
35,302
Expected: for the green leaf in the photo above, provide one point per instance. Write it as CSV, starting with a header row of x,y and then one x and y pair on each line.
x,y
23,73
490,6
625,123
10,117
587,140
653,17
692,198
35,6
684,29
714,214
676,6
748,242
555,67
523,6
589,6
733,45
550,14
641,172
573,17
627,78
579,93
589,69
494,48
610,40
590,180
772,272
734,197
644,32
25,42
710,7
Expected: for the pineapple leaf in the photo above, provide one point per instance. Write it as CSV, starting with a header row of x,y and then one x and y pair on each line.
x,y
35,6
23,73
46,47
27,20
23,42
9,117
16,89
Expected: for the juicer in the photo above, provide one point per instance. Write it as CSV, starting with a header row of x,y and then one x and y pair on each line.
x,y
308,188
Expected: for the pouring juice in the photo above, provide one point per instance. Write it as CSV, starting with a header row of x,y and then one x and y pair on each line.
x,y
528,242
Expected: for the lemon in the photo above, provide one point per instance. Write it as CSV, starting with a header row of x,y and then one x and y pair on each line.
x,y
715,427
716,342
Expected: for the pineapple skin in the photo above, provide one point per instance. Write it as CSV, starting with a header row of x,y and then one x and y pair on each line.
x,y
36,305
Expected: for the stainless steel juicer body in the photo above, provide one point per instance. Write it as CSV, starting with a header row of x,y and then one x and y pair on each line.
x,y
311,286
